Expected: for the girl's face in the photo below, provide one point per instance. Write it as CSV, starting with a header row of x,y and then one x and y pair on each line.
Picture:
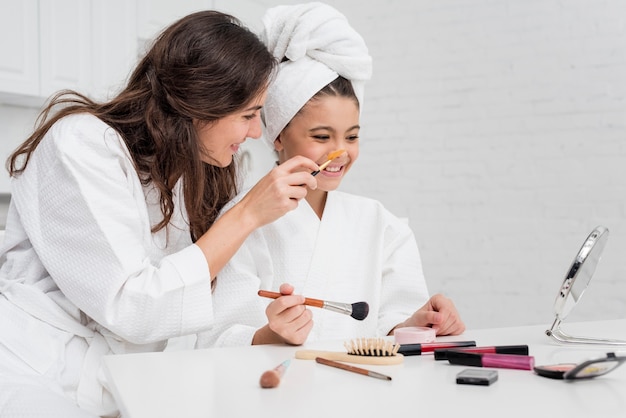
x,y
221,139
322,126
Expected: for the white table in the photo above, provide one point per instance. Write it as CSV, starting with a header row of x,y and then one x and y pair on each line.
x,y
225,382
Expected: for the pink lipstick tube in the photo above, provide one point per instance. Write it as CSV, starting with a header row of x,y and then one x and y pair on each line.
x,y
502,361
442,353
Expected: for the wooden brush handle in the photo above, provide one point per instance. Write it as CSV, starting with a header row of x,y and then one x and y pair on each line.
x,y
307,301
349,358
323,166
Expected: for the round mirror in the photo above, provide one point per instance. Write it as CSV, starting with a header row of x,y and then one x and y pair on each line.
x,y
580,273
576,281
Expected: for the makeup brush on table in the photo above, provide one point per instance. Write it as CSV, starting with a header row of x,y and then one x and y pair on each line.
x,y
271,378
358,310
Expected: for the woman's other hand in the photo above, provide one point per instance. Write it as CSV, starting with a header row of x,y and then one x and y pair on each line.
x,y
289,320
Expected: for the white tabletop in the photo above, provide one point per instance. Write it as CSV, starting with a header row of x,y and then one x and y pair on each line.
x,y
225,382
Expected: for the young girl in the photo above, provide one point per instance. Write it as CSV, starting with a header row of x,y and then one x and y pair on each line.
x,y
335,246
112,242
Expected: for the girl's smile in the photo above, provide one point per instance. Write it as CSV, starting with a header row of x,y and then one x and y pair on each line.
x,y
324,125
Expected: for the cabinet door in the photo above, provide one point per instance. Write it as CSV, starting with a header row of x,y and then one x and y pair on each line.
x,y
114,46
19,47
65,45
155,15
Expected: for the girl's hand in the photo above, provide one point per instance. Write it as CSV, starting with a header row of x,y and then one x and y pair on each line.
x,y
440,314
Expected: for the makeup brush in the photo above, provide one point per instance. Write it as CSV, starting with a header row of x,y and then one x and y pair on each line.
x,y
353,369
358,310
271,378
331,157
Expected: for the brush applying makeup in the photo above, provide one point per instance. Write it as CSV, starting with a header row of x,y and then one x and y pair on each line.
x,y
331,157
357,310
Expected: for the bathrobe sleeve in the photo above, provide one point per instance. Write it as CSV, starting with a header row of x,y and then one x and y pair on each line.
x,y
403,286
238,310
84,211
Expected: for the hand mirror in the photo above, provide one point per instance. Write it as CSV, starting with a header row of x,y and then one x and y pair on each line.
x,y
574,285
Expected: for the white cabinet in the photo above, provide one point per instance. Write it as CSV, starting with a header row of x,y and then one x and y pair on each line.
x,y
155,15
19,47
64,45
248,11
115,40
84,45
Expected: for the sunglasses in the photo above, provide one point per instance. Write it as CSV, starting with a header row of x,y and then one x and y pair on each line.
x,y
585,370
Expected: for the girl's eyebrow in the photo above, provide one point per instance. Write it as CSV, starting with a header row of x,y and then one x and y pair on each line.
x,y
321,128
254,108
328,128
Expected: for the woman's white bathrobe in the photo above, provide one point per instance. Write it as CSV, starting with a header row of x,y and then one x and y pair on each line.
x,y
357,252
82,275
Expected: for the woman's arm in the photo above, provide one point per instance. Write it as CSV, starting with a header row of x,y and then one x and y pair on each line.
x,y
274,195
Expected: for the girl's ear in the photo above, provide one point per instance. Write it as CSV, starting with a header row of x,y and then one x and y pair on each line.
x,y
278,144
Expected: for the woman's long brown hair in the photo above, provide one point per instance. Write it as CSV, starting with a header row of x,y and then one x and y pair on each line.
x,y
203,67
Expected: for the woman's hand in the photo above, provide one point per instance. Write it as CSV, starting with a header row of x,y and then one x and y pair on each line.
x,y
279,191
274,195
289,321
440,314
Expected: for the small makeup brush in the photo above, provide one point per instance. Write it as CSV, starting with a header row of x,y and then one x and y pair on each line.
x,y
271,378
331,157
358,310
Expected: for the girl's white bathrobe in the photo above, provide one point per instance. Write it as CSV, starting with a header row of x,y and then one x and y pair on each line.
x,y
357,252
82,275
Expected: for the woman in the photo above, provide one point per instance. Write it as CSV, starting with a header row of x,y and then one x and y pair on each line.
x,y
112,242
334,246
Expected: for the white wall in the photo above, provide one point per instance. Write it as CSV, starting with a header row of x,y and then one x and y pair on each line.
x,y
499,130
16,123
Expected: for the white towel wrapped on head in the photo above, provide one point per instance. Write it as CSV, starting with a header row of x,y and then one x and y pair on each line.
x,y
319,45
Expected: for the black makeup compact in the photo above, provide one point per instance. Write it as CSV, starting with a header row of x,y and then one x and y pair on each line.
x,y
585,370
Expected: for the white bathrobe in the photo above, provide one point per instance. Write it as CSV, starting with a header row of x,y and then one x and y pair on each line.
x,y
357,252
82,275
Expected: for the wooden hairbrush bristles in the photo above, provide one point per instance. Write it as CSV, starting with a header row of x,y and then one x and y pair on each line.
x,y
361,351
377,347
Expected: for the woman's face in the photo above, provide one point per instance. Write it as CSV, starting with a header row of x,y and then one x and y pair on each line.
x,y
324,125
221,139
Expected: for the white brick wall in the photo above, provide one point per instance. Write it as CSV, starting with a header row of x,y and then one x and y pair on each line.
x,y
499,129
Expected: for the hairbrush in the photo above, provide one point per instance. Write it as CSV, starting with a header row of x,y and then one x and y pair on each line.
x,y
331,157
357,310
362,351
